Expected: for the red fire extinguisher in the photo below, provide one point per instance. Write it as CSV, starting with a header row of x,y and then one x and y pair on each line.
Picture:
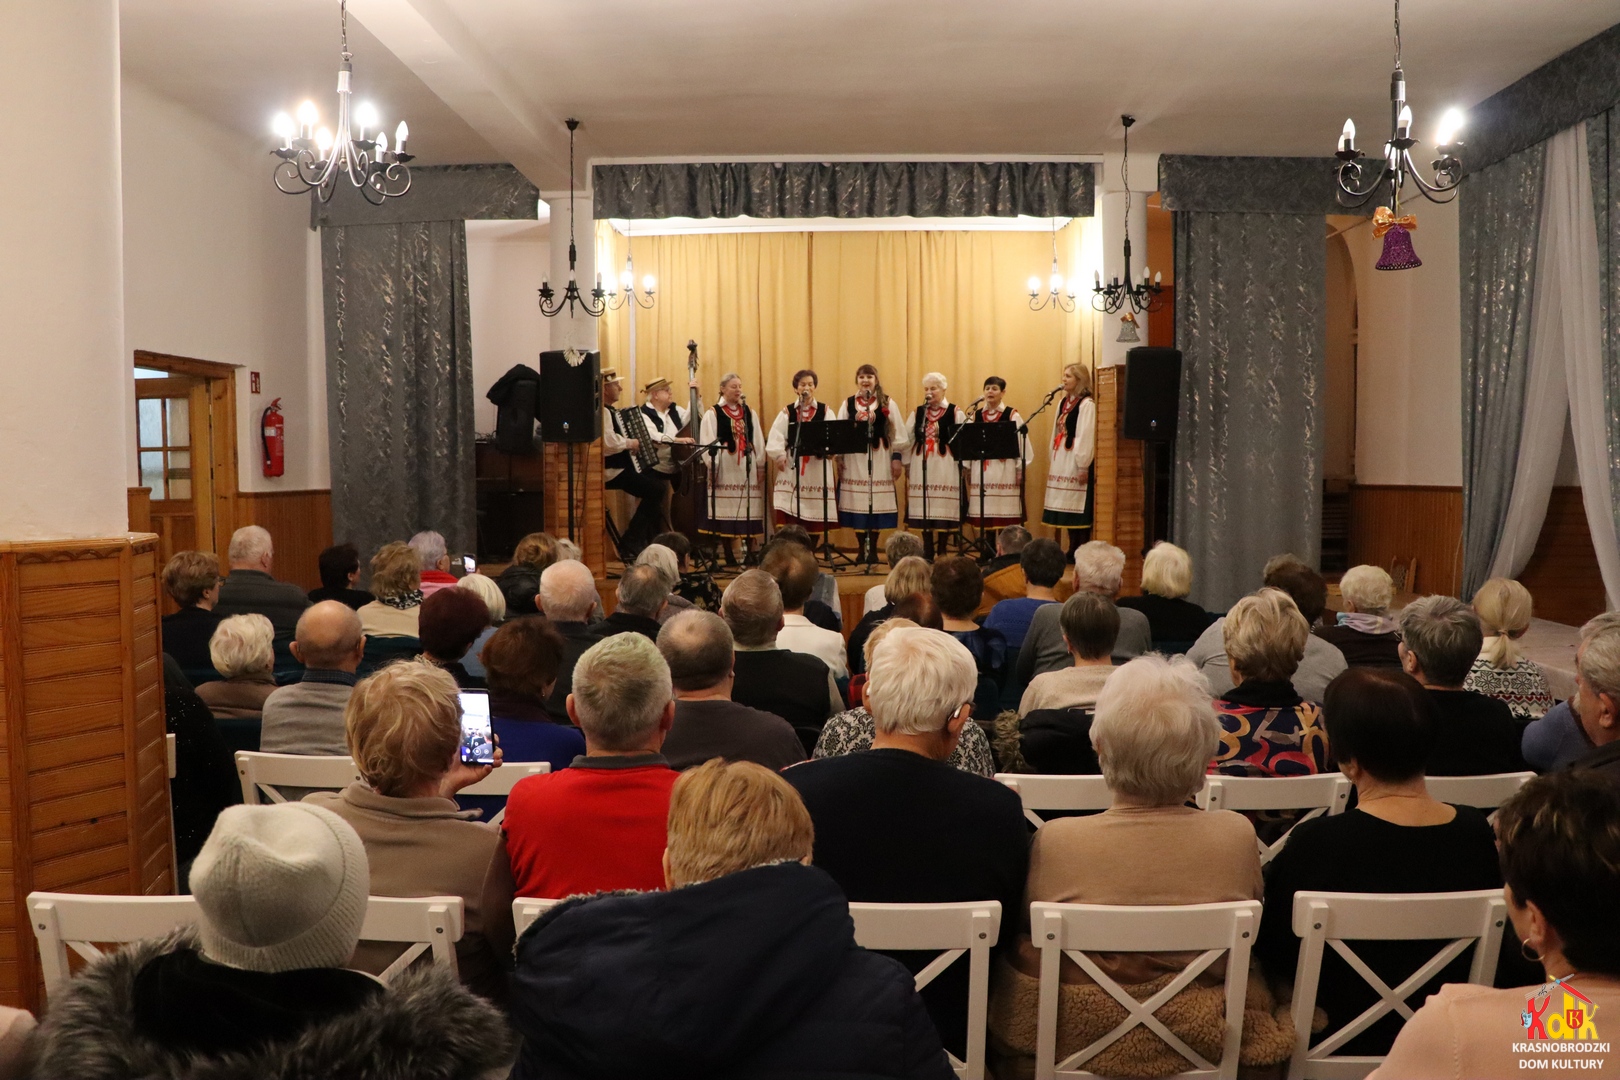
x,y
273,430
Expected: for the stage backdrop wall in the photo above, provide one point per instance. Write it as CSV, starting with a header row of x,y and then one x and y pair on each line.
x,y
767,304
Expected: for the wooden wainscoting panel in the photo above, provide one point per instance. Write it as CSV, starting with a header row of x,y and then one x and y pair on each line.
x,y
140,509
300,523
589,532
1119,478
1389,522
1563,575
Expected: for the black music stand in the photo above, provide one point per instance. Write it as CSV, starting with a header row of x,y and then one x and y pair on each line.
x,y
829,439
984,443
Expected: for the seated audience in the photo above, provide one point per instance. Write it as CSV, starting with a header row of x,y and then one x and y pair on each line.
x,y
642,595
689,589
910,577
1004,574
404,731
451,620
192,581
699,650
896,824
1396,840
261,988
1267,728
667,561
250,590
1501,671
1042,564
956,587
306,717
599,824
435,561
594,994
396,579
205,779
568,598
340,572
1154,734
1560,856
920,609
1098,568
1597,699
853,730
1365,632
1089,623
242,654
1556,740
899,545
1174,621
494,600
520,582
795,571
523,660
1309,592
795,686
1474,734
568,550
823,608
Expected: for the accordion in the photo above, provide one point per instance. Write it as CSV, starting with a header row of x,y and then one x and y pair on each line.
x,y
645,455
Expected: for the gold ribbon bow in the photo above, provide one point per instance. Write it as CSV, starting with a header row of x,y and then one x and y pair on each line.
x,y
1384,219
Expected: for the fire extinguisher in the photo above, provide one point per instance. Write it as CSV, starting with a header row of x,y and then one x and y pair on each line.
x,y
273,431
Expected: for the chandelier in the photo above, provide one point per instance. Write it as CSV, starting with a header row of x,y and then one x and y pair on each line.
x,y
1358,183
550,304
1117,294
1056,298
312,158
643,299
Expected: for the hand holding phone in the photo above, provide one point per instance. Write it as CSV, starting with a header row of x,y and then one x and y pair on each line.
x,y
469,564
477,732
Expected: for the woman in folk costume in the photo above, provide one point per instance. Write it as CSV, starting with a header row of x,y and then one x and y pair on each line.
x,y
1074,446
866,501
933,480
736,498
1003,479
804,493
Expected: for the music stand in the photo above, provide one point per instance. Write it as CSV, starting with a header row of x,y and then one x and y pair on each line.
x,y
830,439
984,443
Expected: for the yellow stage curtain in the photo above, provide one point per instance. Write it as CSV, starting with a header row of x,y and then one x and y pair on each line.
x,y
765,305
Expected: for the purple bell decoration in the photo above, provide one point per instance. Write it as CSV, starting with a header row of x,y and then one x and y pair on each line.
x,y
1397,234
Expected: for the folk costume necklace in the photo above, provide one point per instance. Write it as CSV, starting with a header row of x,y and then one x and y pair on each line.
x,y
1059,428
931,418
739,427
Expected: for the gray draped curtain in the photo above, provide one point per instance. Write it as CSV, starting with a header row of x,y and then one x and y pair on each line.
x,y
1603,153
399,382
1250,322
1500,215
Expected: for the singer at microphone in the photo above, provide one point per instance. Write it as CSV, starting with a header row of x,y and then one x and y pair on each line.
x,y
1068,503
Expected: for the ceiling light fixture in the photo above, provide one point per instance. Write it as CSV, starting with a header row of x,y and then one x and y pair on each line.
x,y
643,299
1358,184
313,157
1056,298
550,304
1117,294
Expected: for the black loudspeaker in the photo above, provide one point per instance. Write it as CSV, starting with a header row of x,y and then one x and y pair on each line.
x,y
570,398
1152,393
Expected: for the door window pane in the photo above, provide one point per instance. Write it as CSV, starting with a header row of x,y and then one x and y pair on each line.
x,y
179,414
149,415
152,472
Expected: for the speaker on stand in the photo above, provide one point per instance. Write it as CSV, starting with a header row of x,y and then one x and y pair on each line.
x,y
1152,404
570,405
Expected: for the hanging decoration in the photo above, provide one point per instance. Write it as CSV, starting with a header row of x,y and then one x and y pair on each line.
x,y
1117,294
550,304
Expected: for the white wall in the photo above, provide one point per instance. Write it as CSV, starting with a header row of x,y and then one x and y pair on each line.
x,y
217,266
505,262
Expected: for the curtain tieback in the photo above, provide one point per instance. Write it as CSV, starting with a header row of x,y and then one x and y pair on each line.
x,y
1384,219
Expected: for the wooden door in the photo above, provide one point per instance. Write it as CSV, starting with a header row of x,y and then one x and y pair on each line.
x,y
174,434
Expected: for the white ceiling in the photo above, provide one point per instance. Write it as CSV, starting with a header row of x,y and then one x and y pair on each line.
x,y
490,80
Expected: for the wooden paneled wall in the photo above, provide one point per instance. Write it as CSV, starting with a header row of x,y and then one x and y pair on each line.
x,y
300,522
589,532
1563,574
1119,478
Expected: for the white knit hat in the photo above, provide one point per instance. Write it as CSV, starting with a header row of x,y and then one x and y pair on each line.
x,y
281,887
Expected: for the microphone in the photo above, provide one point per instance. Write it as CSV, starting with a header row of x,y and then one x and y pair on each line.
x,y
977,402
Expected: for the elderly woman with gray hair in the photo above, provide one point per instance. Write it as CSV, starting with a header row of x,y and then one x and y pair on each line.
x,y
1474,735
242,652
1154,734
1365,631
668,564
1267,729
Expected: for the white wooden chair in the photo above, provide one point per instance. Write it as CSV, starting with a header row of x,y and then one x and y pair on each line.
x,y
1322,919
526,909
422,923
261,774
1040,792
1323,793
1482,792
961,929
1074,929
501,782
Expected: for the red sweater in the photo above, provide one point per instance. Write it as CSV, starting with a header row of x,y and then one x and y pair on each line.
x,y
590,828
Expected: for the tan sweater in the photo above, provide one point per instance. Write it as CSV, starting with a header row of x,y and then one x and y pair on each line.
x,y
1065,688
377,619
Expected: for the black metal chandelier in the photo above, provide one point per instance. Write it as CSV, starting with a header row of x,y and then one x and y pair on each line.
x,y
1144,295
551,305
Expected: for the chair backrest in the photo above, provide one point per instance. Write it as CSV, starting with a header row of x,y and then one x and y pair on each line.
x,y
423,923
1211,930
1322,919
953,930
261,774
1050,792
1483,792
1323,793
526,909
501,781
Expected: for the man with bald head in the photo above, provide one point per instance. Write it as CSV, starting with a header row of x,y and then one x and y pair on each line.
x,y
568,597
698,647
307,716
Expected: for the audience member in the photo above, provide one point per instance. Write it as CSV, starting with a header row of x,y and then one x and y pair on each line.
x,y
339,567
824,609
1597,682
771,980
242,654
434,557
485,589
795,571
205,779
567,550
192,581
568,597
396,579
667,561
306,717
1396,840
921,609
900,545
1267,728
689,590
523,661
520,582
260,988
1365,632
1154,734
404,733
853,730
1098,568
250,590
1042,564
795,686
895,824
1004,574
451,620
1501,671
642,594
1174,621
699,650
1475,734
909,577
1090,624
1322,661
956,587
1560,856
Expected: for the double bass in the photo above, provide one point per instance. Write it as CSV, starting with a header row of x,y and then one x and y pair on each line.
x,y
691,486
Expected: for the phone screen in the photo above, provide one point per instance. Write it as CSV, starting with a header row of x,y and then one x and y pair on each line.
x,y
477,735
469,564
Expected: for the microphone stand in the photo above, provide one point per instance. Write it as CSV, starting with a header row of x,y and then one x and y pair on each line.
x,y
1023,433
871,491
961,498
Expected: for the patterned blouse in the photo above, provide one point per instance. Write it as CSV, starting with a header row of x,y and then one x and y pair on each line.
x,y
1522,687
852,731
1268,730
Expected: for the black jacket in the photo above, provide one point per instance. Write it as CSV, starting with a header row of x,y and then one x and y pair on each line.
x,y
516,396
186,634
205,779
755,975
788,684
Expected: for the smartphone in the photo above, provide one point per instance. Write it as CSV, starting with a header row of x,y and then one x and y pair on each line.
x,y
469,564
477,734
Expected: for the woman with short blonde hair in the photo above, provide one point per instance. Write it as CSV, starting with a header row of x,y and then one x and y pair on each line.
x,y
1365,631
1267,728
1174,622
725,817
911,576
1504,608
242,652
520,582
490,593
396,581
